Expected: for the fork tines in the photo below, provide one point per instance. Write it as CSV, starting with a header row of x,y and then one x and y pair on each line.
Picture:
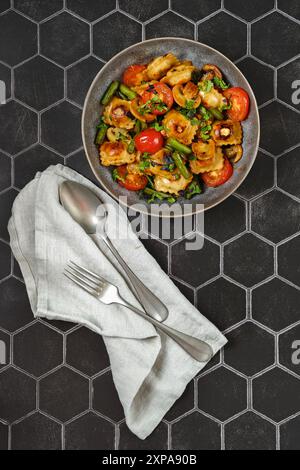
x,y
86,279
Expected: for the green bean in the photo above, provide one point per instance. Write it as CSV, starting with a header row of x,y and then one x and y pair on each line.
x,y
180,165
159,195
217,114
178,146
131,147
138,126
123,97
109,93
101,133
127,92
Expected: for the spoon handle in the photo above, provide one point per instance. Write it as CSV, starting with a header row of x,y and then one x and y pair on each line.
x,y
152,305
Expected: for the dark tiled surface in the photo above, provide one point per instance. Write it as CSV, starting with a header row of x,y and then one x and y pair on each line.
x,y
78,407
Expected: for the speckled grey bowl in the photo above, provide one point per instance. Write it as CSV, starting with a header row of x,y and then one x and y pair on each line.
x,y
142,53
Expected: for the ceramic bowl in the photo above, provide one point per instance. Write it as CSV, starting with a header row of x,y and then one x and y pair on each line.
x,y
142,53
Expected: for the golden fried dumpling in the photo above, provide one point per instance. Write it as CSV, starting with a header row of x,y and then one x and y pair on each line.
x,y
116,114
179,127
204,150
213,98
115,153
227,132
159,66
179,74
211,164
165,185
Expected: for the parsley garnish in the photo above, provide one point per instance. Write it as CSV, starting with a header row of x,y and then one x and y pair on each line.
x,y
206,86
220,83
192,189
116,176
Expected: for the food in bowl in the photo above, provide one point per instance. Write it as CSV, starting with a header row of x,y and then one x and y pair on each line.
x,y
170,129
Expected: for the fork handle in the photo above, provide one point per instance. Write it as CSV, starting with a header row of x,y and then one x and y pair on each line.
x,y
198,349
152,304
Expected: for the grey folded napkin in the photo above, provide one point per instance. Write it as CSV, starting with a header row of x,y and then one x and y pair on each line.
x,y
150,371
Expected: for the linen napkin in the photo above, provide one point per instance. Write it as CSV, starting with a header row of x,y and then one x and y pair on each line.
x,y
150,371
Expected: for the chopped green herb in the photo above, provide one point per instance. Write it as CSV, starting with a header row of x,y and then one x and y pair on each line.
x,y
195,122
189,104
206,114
158,195
226,106
144,164
192,189
220,83
157,126
116,176
206,86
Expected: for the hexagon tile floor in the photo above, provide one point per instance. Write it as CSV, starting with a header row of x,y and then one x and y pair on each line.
x,y
57,391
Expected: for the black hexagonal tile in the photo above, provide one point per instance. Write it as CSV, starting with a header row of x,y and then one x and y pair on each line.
x,y
61,128
15,310
222,302
271,39
143,10
61,325
5,76
187,264
106,40
168,230
38,9
48,80
288,172
18,392
275,216
18,127
289,434
217,32
158,250
6,202
260,178
5,171
3,436
38,349
21,35
89,432
64,39
196,10
248,260
250,432
5,260
4,349
93,10
286,76
288,260
5,5
170,25
222,393
233,215
260,77
289,349
16,269
250,349
291,7
105,397
276,394
188,292
79,163
184,403
86,351
249,11
279,126
205,435
64,394
80,77
28,163
36,432
276,304
157,440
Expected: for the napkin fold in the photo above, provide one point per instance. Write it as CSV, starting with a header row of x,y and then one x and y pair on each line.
x,y
150,371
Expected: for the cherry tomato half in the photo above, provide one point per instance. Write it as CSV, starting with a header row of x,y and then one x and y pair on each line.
x,y
239,100
216,178
149,140
160,98
132,182
133,75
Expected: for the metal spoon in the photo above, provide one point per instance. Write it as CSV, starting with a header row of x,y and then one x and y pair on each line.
x,y
88,210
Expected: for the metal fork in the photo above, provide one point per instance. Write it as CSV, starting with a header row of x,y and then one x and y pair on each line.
x,y
108,293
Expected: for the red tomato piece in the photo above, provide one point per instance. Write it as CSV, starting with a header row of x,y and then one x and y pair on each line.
x,y
216,178
240,102
132,182
149,140
133,75
160,98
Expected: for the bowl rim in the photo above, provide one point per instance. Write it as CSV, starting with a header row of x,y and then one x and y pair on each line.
x,y
86,101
